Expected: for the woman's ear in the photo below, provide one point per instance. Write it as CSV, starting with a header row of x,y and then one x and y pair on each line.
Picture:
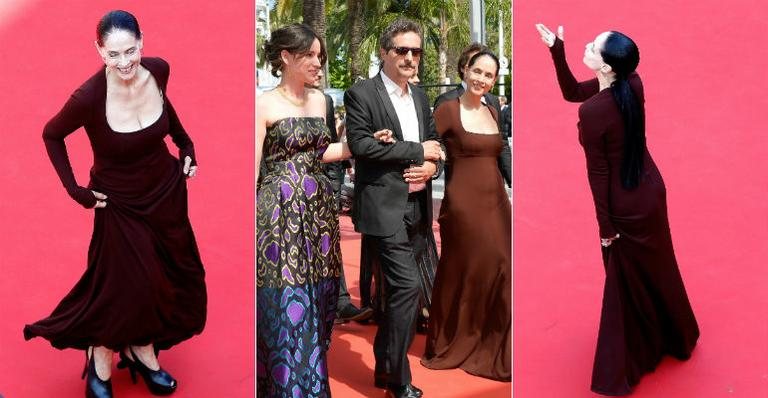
x,y
100,50
285,56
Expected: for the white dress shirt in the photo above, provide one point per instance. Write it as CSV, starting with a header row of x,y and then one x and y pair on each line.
x,y
406,114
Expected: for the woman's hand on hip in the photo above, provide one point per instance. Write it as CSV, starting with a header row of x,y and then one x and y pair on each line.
x,y
189,170
547,36
605,242
101,200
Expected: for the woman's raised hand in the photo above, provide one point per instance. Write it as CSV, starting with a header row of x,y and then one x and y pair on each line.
x,y
547,36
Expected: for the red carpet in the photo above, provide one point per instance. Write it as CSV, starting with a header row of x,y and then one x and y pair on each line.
x,y
351,361
47,51
703,66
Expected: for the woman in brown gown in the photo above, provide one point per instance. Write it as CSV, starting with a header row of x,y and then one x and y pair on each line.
x,y
471,316
143,289
645,313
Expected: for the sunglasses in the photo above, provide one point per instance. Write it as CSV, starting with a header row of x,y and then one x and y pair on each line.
x,y
404,50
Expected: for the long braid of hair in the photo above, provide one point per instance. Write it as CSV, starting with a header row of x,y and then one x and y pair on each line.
x,y
621,53
634,132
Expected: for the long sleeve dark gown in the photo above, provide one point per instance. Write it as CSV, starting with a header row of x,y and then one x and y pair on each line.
x,y
144,281
645,312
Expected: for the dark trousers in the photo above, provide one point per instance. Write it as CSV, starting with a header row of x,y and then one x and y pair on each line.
x,y
401,296
335,173
344,298
369,269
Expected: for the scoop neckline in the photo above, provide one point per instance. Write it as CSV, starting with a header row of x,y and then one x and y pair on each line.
x,y
461,122
162,95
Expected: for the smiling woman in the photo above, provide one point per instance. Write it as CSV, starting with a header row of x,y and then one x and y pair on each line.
x,y
474,273
144,287
298,255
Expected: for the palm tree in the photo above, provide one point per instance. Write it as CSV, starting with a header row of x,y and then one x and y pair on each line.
x,y
287,12
352,29
314,16
356,17
443,22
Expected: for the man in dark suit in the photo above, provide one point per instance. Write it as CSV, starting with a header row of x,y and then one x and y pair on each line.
x,y
505,158
393,191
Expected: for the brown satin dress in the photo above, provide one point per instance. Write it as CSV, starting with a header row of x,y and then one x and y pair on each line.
x,y
471,315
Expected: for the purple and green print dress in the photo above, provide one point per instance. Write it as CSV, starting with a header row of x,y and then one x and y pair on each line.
x,y
298,261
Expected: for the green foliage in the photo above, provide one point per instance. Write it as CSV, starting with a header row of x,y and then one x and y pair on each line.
x,y
339,76
379,14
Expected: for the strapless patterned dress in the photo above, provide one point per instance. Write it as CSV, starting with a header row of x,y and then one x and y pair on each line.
x,y
298,260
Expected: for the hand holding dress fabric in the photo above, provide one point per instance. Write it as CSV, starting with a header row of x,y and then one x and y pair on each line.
x,y
189,170
605,242
101,201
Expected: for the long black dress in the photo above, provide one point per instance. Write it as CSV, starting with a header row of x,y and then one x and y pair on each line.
x,y
144,282
646,313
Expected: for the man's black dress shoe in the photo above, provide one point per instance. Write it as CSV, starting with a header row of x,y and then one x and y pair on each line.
x,y
403,391
351,313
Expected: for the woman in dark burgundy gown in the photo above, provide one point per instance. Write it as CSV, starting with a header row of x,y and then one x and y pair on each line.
x,y
143,289
645,313
471,315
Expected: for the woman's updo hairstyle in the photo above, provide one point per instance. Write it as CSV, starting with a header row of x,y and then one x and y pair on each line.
x,y
116,19
621,53
296,39
485,53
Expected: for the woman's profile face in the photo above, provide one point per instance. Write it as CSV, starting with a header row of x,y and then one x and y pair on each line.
x,y
305,65
592,58
121,51
481,75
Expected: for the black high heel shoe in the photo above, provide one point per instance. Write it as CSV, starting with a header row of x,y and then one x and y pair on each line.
x,y
158,381
94,386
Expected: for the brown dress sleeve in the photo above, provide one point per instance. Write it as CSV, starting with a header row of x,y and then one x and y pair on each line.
x,y
72,116
573,90
161,70
598,168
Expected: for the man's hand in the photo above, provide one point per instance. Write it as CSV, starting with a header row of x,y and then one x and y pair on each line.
x,y
418,174
431,150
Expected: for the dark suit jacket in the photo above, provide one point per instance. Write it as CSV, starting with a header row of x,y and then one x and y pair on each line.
x,y
330,118
381,192
505,158
506,121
